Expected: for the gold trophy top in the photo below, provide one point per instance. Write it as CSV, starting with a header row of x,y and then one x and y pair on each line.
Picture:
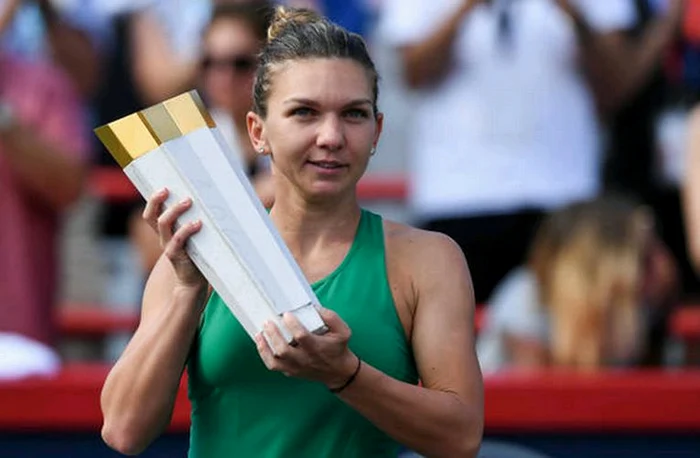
x,y
132,136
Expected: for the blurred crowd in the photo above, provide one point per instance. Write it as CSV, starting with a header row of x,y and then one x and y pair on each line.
x,y
556,141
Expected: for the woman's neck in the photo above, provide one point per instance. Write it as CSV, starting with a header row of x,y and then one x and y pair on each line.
x,y
305,225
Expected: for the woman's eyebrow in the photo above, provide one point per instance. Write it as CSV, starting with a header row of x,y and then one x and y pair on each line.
x,y
313,103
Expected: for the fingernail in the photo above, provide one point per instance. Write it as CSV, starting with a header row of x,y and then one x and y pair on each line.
x,y
186,201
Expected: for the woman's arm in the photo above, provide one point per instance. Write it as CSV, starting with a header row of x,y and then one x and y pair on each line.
x,y
158,72
691,190
46,169
426,62
73,50
139,394
616,65
444,417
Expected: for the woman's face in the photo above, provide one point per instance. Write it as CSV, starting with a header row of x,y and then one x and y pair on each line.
x,y
228,66
320,126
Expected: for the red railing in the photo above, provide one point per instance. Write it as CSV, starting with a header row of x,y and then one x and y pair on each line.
x,y
550,402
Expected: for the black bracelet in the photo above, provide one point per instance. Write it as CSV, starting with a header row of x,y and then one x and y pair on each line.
x,y
350,379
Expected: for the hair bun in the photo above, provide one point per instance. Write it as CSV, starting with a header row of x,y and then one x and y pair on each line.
x,y
285,17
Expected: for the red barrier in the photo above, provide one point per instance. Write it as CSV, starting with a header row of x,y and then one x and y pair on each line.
x,y
653,401
548,402
685,323
94,321
111,184
68,402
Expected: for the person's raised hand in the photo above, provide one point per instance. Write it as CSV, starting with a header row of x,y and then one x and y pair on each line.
x,y
467,5
675,14
173,240
8,9
567,7
323,358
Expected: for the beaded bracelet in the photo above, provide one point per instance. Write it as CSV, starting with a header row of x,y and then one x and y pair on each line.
x,y
350,379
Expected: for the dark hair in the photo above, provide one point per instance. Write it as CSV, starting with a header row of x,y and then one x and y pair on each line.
x,y
298,33
257,15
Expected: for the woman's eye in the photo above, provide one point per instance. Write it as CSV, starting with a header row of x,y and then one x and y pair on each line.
x,y
302,111
357,114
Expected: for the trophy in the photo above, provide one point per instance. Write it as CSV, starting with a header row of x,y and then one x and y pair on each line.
x,y
176,145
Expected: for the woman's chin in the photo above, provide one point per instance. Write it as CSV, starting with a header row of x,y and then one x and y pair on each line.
x,y
328,191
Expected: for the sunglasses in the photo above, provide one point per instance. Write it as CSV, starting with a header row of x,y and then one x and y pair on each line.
x,y
239,64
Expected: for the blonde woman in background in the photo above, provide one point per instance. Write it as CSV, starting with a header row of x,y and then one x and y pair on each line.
x,y
596,281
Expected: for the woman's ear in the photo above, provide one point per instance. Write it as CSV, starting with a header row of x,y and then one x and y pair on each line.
x,y
379,128
256,132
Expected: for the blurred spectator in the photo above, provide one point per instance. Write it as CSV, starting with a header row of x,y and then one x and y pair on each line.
x,y
165,47
645,152
66,32
506,112
355,15
596,282
168,36
692,189
231,43
43,151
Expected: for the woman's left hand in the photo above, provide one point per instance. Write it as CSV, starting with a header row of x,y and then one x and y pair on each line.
x,y
323,358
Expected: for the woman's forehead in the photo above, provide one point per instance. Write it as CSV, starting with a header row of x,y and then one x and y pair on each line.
x,y
321,79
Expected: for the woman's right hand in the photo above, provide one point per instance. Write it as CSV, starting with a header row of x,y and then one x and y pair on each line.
x,y
173,242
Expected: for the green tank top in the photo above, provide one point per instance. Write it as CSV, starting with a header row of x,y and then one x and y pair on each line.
x,y
241,409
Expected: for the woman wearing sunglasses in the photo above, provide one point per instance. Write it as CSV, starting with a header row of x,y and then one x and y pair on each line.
x,y
230,45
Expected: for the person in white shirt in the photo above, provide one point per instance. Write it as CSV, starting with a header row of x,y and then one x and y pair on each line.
x,y
505,118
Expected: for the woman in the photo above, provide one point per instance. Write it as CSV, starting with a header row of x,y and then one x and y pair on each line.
x,y
393,318
597,279
230,47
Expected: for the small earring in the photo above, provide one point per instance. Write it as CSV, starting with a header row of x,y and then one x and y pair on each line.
x,y
373,151
261,150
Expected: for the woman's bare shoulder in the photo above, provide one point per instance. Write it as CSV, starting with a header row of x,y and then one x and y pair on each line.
x,y
419,252
411,241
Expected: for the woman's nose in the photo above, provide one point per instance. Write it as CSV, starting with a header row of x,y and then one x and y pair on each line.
x,y
330,133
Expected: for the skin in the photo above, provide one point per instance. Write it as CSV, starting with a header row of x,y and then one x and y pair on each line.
x,y
226,88
70,47
691,189
229,91
615,66
657,290
319,112
43,169
151,54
